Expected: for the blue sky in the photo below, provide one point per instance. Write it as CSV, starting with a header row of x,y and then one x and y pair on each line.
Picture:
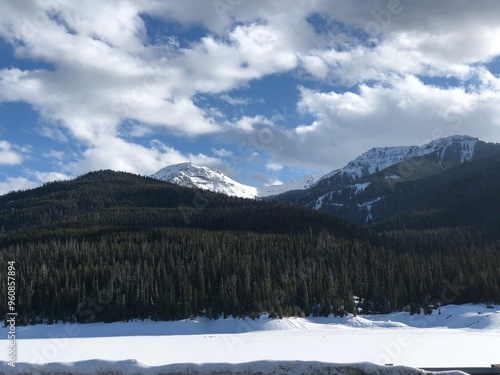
x,y
262,90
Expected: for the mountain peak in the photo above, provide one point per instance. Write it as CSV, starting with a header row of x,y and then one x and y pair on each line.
x,y
454,138
199,176
190,174
299,184
380,158
389,181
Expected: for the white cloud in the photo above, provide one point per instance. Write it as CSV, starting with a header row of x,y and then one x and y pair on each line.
x,y
118,154
11,154
406,112
274,167
52,131
138,131
49,176
16,183
57,156
424,37
274,182
31,180
103,72
17,84
234,101
222,153
106,74
315,66
248,124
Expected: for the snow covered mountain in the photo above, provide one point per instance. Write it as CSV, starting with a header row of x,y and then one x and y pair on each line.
x,y
305,183
197,175
459,148
392,180
429,159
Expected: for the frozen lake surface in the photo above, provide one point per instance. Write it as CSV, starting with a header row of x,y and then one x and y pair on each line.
x,y
461,336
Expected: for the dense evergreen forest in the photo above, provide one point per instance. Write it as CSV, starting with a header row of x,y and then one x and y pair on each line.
x,y
112,246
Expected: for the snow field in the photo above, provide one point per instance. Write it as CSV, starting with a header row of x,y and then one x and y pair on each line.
x,y
461,336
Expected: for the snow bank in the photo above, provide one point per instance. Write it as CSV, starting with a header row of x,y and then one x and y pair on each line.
x,y
260,367
477,317
459,337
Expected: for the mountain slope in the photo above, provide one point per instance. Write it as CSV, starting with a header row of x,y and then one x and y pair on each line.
x,y
271,190
416,183
454,149
122,200
197,175
468,196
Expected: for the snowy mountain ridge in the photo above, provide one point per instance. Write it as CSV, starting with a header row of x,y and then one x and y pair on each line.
x,y
380,158
200,176
197,175
304,183
370,162
382,182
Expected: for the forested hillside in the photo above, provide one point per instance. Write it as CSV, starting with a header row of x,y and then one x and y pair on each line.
x,y
429,196
112,246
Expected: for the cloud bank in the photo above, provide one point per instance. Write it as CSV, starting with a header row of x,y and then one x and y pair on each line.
x,y
122,81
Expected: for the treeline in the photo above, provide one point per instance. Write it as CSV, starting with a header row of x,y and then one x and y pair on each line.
x,y
115,247
168,274
119,199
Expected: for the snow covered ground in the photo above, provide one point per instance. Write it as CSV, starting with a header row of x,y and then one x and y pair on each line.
x,y
461,336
